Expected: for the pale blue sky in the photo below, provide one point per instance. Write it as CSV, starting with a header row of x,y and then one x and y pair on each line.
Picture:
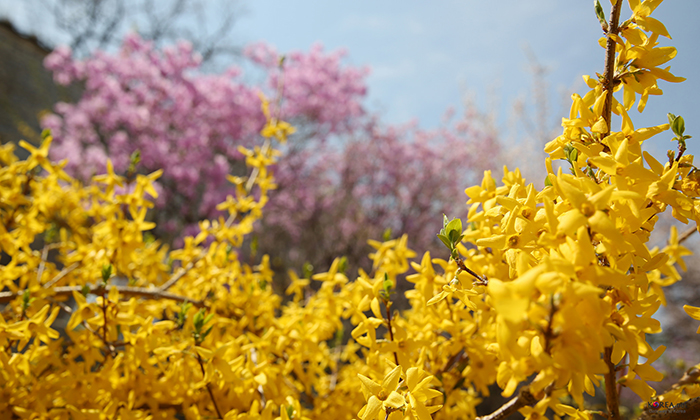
x,y
426,55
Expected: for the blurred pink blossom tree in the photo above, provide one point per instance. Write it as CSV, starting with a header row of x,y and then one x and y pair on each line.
x,y
345,176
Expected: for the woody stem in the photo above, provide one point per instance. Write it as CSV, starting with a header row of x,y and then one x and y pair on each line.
x,y
609,74
387,304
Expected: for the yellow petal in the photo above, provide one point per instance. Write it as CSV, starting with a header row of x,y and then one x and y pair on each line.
x,y
652,25
374,405
693,311
368,384
391,380
394,400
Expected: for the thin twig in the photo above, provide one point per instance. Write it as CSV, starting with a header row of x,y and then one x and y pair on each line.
x,y
687,234
62,274
211,393
110,346
387,304
481,280
455,360
549,332
104,319
524,398
168,284
149,293
42,264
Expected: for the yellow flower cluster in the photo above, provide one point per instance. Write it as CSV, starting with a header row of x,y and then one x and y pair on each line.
x,y
555,287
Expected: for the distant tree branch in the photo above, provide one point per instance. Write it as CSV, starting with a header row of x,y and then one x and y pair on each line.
x,y
92,24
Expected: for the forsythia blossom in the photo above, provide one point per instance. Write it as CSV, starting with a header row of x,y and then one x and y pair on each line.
x,y
553,286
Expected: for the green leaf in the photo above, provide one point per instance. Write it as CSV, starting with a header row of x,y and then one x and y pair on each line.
x,y
45,133
343,264
444,221
206,333
135,158
290,411
198,320
571,153
573,156
388,285
386,236
182,316
26,300
671,117
454,226
678,126
600,14
307,270
254,245
547,182
148,238
85,290
445,241
208,318
106,272
338,338
454,237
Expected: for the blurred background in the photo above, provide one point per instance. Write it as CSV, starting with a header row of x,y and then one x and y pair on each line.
x,y
399,106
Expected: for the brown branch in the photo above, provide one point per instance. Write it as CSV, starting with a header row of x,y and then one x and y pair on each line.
x,y
109,346
481,280
687,234
524,398
609,74
611,395
453,361
211,393
549,332
148,293
387,304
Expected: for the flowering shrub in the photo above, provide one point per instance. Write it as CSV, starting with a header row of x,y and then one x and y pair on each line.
x,y
546,293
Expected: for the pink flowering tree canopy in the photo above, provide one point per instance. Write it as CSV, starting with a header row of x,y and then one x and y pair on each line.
x,y
332,195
